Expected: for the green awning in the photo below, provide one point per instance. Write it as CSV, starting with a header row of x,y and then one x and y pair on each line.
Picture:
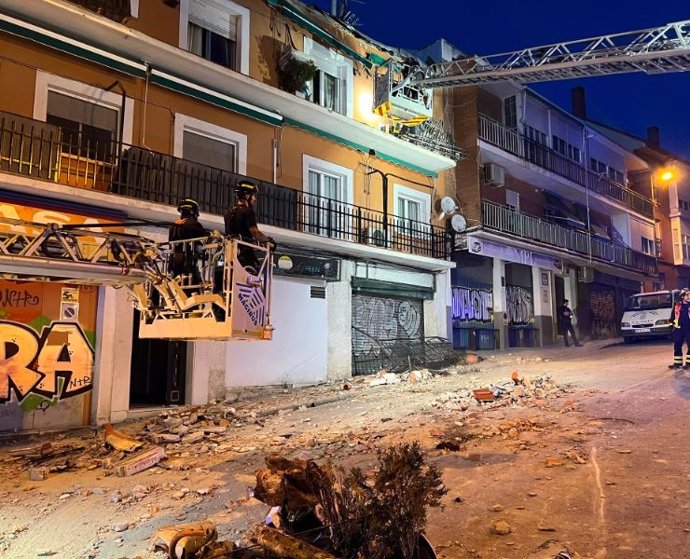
x,y
298,17
391,289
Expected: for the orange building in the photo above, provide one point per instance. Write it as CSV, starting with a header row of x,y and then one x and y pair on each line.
x,y
115,110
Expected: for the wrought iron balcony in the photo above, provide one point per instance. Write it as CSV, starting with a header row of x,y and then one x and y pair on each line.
x,y
36,149
117,10
509,140
503,219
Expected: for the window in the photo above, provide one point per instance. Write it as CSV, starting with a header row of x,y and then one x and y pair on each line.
x,y
597,166
683,204
510,112
685,241
210,144
217,30
616,175
564,148
647,245
412,210
89,116
513,200
329,194
332,86
88,130
327,91
535,135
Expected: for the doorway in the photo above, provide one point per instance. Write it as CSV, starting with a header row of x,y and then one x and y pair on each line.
x,y
158,371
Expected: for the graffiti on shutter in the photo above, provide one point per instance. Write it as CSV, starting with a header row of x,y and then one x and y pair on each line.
x,y
378,324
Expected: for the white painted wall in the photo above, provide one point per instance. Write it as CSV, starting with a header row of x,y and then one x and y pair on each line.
x,y
339,297
437,312
115,322
297,354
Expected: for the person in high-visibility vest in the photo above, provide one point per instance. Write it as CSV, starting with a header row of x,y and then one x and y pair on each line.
x,y
680,318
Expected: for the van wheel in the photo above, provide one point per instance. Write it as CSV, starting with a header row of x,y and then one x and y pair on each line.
x,y
628,339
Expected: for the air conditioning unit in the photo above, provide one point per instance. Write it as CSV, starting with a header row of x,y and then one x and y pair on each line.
x,y
494,175
374,236
585,274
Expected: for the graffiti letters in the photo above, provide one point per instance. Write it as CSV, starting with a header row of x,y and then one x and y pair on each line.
x,y
18,298
376,320
519,305
56,364
472,304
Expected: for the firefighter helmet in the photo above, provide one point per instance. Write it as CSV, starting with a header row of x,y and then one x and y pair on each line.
x,y
188,206
246,188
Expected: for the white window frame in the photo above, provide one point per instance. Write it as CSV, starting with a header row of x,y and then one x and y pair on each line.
x,y
422,198
185,123
310,163
242,29
334,63
515,198
46,82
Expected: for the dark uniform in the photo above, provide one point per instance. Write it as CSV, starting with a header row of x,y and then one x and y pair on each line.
x,y
184,257
680,318
565,319
238,223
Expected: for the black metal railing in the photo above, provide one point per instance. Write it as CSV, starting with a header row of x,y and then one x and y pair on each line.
x,y
37,149
501,218
543,156
117,10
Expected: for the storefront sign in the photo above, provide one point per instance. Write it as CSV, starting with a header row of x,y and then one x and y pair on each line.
x,y
289,264
513,254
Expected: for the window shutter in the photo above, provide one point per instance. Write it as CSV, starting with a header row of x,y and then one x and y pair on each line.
x,y
209,15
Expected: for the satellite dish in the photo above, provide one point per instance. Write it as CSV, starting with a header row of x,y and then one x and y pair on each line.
x,y
448,205
458,223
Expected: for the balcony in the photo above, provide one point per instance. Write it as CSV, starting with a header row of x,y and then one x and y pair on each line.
x,y
117,10
509,140
36,149
500,218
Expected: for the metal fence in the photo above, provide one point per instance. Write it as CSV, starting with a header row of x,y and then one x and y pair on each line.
x,y
502,218
37,149
543,156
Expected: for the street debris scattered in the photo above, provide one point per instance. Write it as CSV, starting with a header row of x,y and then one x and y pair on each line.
x,y
314,510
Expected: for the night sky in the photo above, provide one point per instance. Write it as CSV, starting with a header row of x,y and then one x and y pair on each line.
x,y
630,101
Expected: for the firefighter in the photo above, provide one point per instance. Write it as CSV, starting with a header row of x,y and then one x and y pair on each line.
x,y
184,258
565,319
680,318
240,222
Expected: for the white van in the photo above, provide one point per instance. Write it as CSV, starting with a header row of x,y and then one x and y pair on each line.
x,y
648,315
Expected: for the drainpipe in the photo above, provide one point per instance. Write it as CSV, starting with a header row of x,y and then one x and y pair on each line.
x,y
123,91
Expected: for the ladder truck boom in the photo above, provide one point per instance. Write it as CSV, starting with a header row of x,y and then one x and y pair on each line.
x,y
656,50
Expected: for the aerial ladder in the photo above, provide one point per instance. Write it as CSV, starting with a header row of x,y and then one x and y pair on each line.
x,y
214,297
403,89
656,50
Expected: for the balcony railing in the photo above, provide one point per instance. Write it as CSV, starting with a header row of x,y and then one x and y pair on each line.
x,y
511,141
117,10
37,149
503,219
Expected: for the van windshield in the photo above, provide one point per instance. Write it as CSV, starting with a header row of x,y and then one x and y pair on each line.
x,y
650,301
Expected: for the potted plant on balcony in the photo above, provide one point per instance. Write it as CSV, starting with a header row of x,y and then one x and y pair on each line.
x,y
294,72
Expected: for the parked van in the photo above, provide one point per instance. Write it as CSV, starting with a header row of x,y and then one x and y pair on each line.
x,y
648,315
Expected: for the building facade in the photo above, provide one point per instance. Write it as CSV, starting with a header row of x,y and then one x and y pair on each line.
x,y
113,111
555,211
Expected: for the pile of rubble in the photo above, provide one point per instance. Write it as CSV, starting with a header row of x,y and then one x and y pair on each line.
x,y
515,390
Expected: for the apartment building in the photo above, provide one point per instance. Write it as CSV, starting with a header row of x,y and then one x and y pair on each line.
x,y
113,111
555,209
670,180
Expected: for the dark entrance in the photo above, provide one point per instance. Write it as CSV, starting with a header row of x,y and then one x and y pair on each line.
x,y
158,371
